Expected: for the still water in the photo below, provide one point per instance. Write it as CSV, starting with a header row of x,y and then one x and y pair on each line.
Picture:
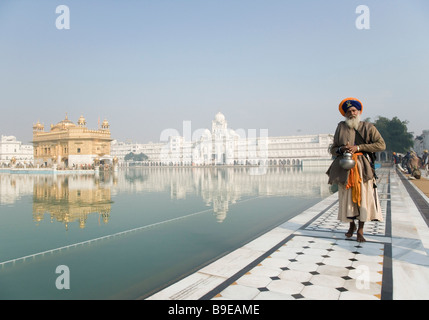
x,y
125,235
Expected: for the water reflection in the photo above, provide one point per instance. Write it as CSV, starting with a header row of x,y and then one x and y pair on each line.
x,y
220,187
140,228
70,198
73,198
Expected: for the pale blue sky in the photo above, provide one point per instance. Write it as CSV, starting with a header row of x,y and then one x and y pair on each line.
x,y
149,65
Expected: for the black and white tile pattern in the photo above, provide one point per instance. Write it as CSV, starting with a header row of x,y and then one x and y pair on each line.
x,y
318,262
314,268
309,257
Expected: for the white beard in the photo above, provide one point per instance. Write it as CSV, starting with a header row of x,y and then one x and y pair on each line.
x,y
353,123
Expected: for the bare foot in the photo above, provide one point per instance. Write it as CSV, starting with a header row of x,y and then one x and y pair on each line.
x,y
359,235
351,230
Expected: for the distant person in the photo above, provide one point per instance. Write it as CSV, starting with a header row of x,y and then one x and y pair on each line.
x,y
414,165
395,158
406,162
357,193
425,161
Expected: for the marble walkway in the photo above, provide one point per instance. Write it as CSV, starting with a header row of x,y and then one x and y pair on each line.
x,y
308,257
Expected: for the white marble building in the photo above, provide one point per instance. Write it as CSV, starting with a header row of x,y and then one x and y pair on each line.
x,y
14,152
421,143
225,146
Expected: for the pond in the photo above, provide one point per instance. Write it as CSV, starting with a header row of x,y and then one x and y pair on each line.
x,y
126,235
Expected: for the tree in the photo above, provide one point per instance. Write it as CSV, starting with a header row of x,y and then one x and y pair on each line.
x,y
395,134
140,157
135,157
129,156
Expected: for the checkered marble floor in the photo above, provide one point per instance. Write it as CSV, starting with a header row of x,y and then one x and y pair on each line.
x,y
330,223
309,258
313,268
318,262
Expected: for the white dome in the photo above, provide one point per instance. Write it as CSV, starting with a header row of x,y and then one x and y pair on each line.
x,y
220,117
232,133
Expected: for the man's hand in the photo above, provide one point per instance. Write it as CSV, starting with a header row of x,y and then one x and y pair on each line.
x,y
349,148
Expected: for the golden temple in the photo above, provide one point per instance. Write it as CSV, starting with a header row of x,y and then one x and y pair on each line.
x,y
69,145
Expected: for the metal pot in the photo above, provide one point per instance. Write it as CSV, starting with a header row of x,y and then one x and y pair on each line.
x,y
347,162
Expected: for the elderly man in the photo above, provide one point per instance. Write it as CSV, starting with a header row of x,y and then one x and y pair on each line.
x,y
357,191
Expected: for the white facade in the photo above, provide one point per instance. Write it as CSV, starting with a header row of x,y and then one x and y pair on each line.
x,y
224,146
421,143
13,152
120,149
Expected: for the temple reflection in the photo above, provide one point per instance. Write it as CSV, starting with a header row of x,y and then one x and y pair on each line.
x,y
220,187
69,199
74,198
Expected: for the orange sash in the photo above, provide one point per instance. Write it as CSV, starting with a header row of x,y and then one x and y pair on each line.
x,y
355,180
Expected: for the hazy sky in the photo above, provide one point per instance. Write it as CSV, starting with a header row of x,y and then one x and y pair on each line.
x,y
149,65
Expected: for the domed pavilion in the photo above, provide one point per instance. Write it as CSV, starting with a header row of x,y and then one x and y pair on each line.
x,y
70,145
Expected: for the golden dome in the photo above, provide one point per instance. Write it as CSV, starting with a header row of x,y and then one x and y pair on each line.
x,y
105,125
64,124
38,126
81,122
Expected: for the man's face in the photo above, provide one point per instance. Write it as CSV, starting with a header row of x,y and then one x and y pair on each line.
x,y
352,113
